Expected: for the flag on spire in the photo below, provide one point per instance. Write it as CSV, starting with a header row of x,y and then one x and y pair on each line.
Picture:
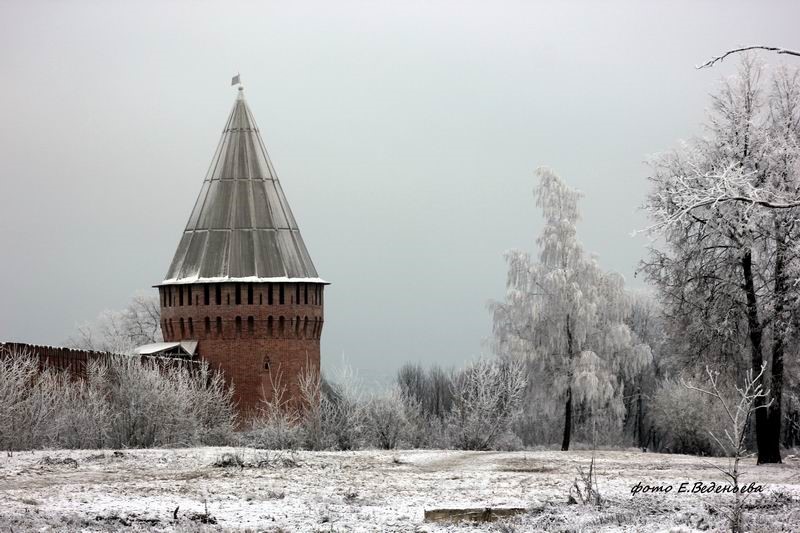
x,y
236,80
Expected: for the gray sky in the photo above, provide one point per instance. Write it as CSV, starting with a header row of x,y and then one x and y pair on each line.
x,y
405,135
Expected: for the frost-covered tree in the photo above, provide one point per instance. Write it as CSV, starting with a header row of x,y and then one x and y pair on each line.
x,y
726,271
645,320
386,422
431,389
487,397
565,314
121,331
738,412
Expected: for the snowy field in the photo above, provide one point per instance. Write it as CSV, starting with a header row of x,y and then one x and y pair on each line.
x,y
88,490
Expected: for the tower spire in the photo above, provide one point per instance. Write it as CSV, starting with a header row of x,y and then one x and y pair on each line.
x,y
241,227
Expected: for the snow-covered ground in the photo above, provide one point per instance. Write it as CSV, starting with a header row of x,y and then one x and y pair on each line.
x,y
98,490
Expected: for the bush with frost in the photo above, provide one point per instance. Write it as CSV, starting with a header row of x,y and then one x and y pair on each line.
x,y
121,402
386,425
487,398
277,425
685,418
27,402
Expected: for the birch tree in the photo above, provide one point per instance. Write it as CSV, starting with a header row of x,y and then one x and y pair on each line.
x,y
566,314
722,205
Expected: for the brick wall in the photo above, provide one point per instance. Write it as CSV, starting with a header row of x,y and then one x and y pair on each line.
x,y
258,333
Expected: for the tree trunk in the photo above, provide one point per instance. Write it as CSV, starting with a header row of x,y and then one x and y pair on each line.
x,y
568,407
640,420
567,421
791,435
779,324
756,356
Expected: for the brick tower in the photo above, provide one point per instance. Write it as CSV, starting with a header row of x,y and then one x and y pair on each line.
x,y
242,283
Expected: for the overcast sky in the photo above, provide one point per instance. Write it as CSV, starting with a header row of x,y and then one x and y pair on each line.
x,y
405,135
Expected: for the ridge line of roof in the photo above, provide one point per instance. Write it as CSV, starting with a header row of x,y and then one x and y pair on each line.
x,y
244,279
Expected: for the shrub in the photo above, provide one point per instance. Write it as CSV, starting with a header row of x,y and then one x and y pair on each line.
x,y
27,402
487,398
212,406
386,423
166,406
315,411
277,426
84,417
122,402
344,408
326,416
508,442
684,418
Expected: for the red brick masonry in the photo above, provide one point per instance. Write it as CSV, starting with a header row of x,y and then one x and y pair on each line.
x,y
253,332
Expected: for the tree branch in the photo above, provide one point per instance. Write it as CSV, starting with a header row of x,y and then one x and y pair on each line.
x,y
716,59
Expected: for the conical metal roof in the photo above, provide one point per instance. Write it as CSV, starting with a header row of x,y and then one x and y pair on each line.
x,y
241,227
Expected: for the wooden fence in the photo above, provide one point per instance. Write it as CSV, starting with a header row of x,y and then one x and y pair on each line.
x,y
76,361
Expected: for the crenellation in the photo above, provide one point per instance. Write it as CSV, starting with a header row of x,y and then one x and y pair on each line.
x,y
288,334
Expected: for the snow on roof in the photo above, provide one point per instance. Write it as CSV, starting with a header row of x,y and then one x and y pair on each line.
x,y
246,279
241,227
188,347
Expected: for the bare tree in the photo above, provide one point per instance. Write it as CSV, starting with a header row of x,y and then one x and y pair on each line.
x,y
750,397
121,331
432,389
